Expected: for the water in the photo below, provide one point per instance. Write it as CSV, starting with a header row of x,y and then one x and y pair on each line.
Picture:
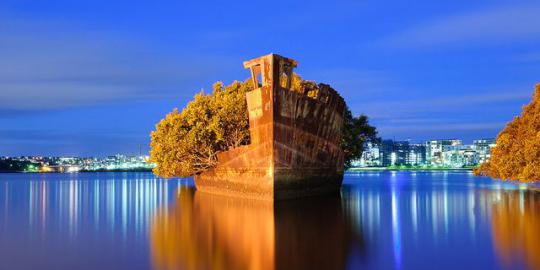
x,y
383,220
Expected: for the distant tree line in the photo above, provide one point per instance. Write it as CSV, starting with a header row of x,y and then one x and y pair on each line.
x,y
11,165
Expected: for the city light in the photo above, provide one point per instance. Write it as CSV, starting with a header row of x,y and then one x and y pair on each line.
x,y
77,164
447,153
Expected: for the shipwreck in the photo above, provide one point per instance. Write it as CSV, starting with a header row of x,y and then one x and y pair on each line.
x,y
295,140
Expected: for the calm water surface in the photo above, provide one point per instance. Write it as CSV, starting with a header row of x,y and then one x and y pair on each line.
x,y
382,220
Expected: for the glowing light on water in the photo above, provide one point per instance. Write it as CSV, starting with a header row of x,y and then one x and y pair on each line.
x,y
396,227
396,230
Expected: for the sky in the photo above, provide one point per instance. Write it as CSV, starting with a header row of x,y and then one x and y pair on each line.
x,y
93,77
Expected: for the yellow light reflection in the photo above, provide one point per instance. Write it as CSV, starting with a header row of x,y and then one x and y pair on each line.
x,y
214,232
516,227
204,231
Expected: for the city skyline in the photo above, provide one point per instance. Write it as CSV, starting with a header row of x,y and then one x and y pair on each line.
x,y
92,78
383,153
430,154
140,153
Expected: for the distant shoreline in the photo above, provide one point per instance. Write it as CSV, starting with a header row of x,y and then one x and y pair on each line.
x,y
406,169
349,170
84,171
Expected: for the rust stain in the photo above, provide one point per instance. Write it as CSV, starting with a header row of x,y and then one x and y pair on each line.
x,y
295,139
254,101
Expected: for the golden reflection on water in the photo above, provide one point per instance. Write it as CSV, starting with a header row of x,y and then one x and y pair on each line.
x,y
206,231
213,232
516,228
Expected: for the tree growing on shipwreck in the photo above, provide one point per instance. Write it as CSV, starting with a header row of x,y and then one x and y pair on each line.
x,y
517,153
188,143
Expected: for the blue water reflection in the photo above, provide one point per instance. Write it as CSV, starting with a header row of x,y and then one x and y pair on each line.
x,y
421,220
59,221
382,220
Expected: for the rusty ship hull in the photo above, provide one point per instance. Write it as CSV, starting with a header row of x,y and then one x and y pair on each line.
x,y
295,139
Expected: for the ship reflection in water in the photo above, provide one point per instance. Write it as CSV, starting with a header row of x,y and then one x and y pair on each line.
x,y
214,232
381,220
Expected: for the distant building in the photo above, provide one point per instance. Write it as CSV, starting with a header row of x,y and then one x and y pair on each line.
x,y
395,152
436,148
387,148
401,152
460,156
371,157
416,155
387,153
483,148
438,153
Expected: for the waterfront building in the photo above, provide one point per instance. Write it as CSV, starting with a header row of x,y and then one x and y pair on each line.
x,y
451,153
395,152
401,152
392,153
387,148
416,155
436,148
75,164
371,157
483,148
459,156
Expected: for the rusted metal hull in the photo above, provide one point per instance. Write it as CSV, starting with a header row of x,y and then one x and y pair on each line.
x,y
295,144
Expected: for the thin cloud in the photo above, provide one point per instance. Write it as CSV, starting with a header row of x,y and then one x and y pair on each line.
x,y
417,117
61,67
47,96
54,142
355,85
505,24
441,126
466,131
396,109
57,136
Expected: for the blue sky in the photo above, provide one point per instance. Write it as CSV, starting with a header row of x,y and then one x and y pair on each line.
x,y
94,77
